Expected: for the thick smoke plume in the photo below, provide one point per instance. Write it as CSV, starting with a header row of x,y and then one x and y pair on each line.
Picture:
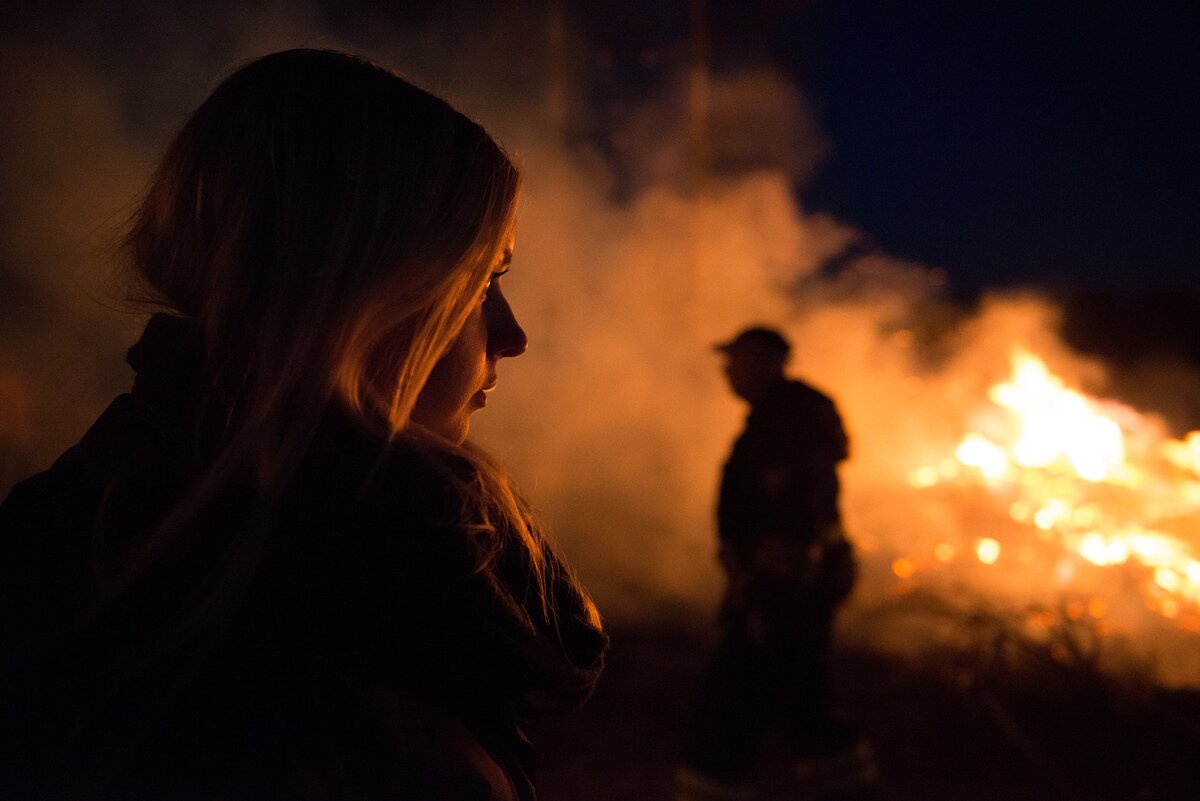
x,y
616,421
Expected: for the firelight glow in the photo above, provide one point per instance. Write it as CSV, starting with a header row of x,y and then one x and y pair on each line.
x,y
1056,424
988,550
1093,478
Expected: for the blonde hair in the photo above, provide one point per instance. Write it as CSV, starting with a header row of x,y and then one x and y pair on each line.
x,y
329,226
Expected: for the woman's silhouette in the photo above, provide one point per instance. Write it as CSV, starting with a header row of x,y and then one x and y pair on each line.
x,y
276,568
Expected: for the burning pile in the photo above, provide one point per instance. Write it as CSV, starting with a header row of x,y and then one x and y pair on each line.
x,y
1085,498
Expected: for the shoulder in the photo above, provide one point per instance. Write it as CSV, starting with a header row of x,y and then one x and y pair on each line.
x,y
795,391
788,404
369,741
434,755
382,508
403,476
120,455
797,401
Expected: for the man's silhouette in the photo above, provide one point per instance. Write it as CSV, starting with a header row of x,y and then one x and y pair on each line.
x,y
788,566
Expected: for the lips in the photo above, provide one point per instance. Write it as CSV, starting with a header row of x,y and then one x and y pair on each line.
x,y
479,399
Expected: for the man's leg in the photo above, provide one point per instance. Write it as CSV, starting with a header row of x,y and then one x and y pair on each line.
x,y
727,723
831,757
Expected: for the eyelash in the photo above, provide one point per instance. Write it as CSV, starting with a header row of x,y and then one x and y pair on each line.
x,y
492,279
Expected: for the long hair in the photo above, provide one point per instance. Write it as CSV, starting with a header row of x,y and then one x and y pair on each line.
x,y
328,228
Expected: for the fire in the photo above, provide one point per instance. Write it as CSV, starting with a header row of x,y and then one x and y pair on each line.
x,y
1083,479
1054,425
988,550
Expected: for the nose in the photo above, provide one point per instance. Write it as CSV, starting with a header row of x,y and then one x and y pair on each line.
x,y
506,338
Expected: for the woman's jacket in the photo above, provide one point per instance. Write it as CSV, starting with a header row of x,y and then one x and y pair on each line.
x,y
351,636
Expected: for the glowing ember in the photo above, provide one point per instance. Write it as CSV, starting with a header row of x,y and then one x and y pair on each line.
x,y
1089,479
988,551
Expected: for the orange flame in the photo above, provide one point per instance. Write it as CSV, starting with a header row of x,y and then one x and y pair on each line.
x,y
1093,477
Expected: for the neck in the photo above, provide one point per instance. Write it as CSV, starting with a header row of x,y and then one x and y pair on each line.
x,y
753,395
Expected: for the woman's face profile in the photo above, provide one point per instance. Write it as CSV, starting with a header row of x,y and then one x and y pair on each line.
x,y
466,374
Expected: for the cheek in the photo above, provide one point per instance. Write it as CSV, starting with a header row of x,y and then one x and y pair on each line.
x,y
449,378
457,376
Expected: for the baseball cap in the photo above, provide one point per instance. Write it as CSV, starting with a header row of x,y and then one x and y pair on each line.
x,y
760,338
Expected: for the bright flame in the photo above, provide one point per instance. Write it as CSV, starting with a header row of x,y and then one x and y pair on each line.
x,y
1186,454
1091,477
1056,424
989,458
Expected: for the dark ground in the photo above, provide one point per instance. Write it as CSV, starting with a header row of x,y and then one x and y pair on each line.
x,y
960,728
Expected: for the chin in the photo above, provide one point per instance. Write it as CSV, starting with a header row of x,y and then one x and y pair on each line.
x,y
453,430
458,432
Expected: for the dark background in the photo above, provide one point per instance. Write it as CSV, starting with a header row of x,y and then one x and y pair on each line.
x,y
1046,145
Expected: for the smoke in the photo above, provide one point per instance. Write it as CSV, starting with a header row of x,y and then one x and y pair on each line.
x,y
616,421
67,173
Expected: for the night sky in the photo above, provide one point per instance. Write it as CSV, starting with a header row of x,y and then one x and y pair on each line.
x,y
1027,143
1046,144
